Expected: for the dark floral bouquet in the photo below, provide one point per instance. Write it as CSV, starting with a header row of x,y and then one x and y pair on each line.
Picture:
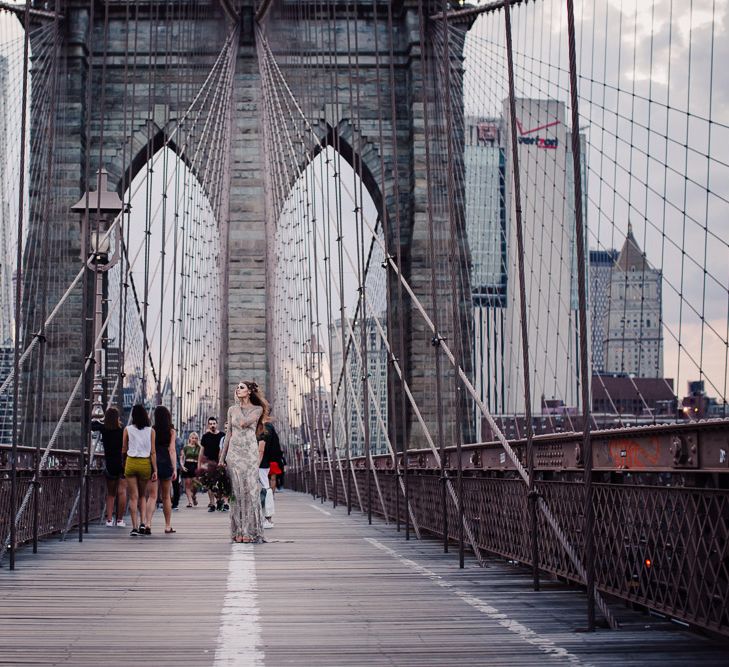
x,y
215,478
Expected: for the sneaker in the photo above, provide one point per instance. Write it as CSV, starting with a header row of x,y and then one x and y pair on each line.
x,y
175,508
134,533
142,529
109,523
121,523
219,506
226,507
194,501
211,508
268,524
147,531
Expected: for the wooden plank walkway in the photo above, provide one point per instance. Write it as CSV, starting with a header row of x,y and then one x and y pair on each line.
x,y
329,590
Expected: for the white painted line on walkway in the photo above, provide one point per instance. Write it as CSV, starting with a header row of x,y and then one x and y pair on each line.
x,y
239,639
319,509
526,634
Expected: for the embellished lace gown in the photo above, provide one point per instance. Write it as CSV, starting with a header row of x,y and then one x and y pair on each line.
x,y
246,514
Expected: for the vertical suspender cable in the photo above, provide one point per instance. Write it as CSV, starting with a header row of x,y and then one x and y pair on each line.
x,y
340,257
522,297
87,318
362,271
18,285
45,271
385,222
324,166
433,283
149,180
398,255
98,275
582,302
455,297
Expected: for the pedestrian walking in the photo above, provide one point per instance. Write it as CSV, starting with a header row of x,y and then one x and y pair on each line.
x,y
111,433
209,457
179,443
189,461
166,469
140,466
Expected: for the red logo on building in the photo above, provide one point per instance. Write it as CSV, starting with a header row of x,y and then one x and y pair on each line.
x,y
536,140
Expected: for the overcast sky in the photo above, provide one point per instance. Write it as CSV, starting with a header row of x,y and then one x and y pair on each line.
x,y
648,55
636,58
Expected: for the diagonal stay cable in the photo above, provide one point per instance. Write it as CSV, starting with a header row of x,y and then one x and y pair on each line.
x,y
549,516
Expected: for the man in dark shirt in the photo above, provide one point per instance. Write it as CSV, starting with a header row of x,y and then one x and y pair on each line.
x,y
271,455
210,453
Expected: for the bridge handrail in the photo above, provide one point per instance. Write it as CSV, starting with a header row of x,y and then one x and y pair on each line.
x,y
58,459
681,447
654,533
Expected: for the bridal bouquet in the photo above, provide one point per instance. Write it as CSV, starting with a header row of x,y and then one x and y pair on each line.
x,y
215,479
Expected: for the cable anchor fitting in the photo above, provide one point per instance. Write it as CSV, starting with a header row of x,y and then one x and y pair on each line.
x,y
437,339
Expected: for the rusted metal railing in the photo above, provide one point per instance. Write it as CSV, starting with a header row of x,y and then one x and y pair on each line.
x,y
55,496
660,501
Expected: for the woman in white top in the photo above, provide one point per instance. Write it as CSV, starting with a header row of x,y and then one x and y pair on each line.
x,y
140,465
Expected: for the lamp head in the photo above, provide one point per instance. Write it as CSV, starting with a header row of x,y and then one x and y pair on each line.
x,y
102,200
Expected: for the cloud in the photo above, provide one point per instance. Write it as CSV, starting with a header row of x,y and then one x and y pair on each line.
x,y
654,102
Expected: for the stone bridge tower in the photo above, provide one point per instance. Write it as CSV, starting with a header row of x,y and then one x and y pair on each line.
x,y
243,235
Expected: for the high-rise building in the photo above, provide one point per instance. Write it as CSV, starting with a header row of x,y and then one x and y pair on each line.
x,y
6,398
550,266
7,237
486,223
633,342
112,373
377,381
486,210
316,420
7,291
601,271
548,220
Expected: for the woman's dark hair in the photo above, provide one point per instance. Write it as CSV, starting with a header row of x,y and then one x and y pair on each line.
x,y
257,398
163,422
111,419
140,417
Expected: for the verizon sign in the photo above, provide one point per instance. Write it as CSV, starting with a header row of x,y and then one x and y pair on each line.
x,y
531,137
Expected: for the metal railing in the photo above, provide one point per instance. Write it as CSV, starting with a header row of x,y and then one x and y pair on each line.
x,y
660,501
53,501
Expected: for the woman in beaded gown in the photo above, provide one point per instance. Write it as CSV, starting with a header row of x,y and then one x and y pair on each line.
x,y
242,455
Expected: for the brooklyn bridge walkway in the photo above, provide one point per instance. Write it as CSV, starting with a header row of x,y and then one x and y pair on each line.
x,y
327,590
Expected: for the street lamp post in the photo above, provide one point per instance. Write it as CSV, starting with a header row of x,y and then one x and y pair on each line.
x,y
97,210
313,356
102,206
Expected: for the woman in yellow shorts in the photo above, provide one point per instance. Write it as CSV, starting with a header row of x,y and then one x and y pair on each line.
x,y
140,466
